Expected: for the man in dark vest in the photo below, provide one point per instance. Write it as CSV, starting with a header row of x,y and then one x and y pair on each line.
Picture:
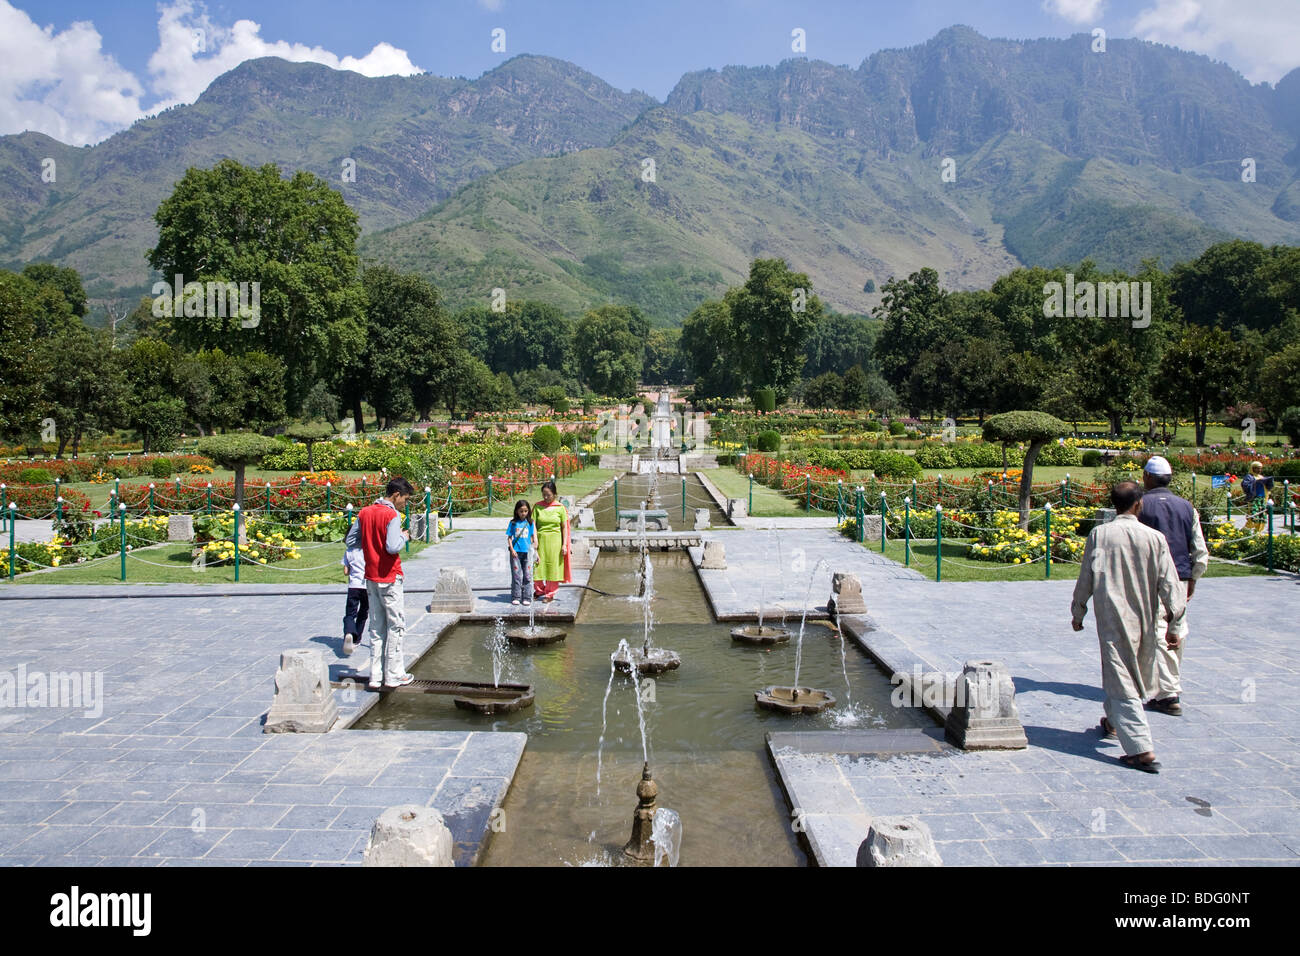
x,y
378,532
1177,520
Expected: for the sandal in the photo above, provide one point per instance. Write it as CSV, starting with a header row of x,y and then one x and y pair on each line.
x,y
1146,766
1107,728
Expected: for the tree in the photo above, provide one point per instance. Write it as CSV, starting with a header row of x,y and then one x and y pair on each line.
x,y
1035,429
1232,283
554,397
27,367
824,391
1200,372
608,345
237,452
855,392
1279,380
294,237
310,434
321,404
87,392
154,410
839,342
706,348
771,316
913,313
66,281
665,363
523,335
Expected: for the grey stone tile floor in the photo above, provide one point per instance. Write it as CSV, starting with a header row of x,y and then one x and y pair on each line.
x,y
171,766
1229,792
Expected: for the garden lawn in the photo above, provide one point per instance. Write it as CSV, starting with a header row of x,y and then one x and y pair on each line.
x,y
957,566
768,502
173,564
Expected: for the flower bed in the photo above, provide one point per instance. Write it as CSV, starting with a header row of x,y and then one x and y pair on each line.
x,y
41,501
86,469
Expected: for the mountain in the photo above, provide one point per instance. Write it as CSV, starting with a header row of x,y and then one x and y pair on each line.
x,y
415,140
534,177
1058,153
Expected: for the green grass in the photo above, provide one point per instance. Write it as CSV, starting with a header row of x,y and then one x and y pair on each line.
x,y
177,568
958,566
768,502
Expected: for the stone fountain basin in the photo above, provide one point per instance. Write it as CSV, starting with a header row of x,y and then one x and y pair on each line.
x,y
761,635
808,700
495,705
534,636
658,661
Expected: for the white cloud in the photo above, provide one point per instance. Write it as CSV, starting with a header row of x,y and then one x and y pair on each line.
x,y
493,5
64,85
1261,39
193,51
1076,11
61,84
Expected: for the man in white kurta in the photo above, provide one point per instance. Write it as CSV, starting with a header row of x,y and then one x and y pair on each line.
x,y
1129,574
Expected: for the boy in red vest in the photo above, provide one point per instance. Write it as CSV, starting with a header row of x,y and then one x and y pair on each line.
x,y
378,532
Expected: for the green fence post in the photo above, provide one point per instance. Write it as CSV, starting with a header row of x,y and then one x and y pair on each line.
x,y
1047,517
236,510
751,494
328,495
882,522
1193,488
268,511
12,511
683,503
615,495
151,497
489,493
58,509
913,489
907,532
1065,494
807,494
450,508
938,490
209,499
178,489
408,525
117,493
938,542
1269,506
121,510
839,499
862,515
1066,499
428,499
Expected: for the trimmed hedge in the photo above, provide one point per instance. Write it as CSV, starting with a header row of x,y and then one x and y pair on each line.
x,y
768,441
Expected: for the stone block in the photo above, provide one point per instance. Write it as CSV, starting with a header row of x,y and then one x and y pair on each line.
x,y
417,527
180,528
984,714
451,595
304,701
587,519
715,556
898,841
701,518
737,508
846,594
580,556
409,836
871,528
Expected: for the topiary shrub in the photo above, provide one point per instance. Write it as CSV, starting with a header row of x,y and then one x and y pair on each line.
x,y
897,428
764,399
546,439
768,440
160,468
236,452
35,476
1092,458
1034,429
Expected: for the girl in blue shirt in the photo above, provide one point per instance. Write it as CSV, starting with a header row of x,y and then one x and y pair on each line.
x,y
520,536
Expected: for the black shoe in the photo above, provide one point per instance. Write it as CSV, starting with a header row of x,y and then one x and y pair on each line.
x,y
1169,705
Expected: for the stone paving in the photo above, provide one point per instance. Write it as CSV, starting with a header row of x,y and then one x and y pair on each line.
x,y
170,766
1229,792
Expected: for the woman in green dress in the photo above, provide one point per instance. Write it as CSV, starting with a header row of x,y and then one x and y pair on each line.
x,y
552,521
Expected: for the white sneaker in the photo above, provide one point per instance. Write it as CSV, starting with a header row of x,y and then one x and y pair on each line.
x,y
349,644
515,601
401,681
375,684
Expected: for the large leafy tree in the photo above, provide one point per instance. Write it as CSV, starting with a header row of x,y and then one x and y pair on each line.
x,y
524,335
87,391
915,321
771,316
296,237
609,348
1200,373
838,342
706,348
27,360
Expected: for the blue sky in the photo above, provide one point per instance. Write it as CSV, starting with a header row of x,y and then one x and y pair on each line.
x,y
84,68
